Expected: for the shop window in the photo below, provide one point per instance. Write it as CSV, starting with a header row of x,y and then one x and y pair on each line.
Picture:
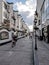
x,y
4,35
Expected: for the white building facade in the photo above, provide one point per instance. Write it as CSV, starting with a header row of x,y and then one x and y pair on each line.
x,y
6,21
6,13
43,12
10,19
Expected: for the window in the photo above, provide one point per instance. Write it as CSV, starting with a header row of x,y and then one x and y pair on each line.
x,y
4,35
5,14
42,10
8,9
5,5
46,4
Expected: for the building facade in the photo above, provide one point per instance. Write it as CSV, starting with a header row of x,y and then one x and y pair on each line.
x,y
20,25
43,11
26,29
9,20
6,13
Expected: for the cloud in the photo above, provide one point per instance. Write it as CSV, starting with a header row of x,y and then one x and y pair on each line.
x,y
31,28
26,10
29,6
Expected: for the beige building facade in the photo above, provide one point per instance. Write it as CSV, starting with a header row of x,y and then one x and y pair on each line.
x,y
9,17
6,13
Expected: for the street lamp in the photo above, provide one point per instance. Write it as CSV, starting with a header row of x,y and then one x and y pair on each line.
x,y
36,28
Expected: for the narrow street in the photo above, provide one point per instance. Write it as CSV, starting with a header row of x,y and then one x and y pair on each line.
x,y
21,54
24,32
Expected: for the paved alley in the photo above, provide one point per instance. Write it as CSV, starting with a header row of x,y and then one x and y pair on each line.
x,y
21,54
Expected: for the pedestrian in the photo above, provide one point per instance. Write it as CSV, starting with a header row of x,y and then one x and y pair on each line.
x,y
13,38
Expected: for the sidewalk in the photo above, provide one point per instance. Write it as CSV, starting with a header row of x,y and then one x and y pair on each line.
x,y
8,41
42,53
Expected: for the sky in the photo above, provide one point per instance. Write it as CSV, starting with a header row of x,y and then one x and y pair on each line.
x,y
27,9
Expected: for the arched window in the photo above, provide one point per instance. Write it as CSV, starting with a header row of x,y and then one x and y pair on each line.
x,y
4,35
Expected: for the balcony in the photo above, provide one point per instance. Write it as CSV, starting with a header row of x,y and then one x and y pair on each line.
x,y
5,5
6,24
8,9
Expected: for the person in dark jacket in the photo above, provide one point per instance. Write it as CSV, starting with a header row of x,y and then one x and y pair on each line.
x,y
13,39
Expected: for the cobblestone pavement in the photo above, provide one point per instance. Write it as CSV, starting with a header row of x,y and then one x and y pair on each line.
x,y
43,53
21,54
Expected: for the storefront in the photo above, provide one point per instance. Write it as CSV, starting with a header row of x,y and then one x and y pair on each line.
x,y
45,33
5,36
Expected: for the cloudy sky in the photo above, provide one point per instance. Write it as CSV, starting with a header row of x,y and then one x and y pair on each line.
x,y
26,8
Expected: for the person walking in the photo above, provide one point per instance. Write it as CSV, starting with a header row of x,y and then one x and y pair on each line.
x,y
13,38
